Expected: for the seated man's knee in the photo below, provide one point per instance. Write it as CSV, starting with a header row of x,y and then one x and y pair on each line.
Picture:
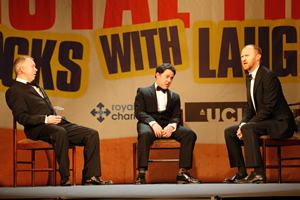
x,y
192,134
144,135
246,127
230,132
60,134
95,134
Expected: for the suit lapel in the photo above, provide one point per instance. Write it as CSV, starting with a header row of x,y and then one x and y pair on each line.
x,y
248,91
153,94
257,79
46,98
169,99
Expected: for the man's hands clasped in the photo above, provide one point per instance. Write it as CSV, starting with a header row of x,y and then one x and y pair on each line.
x,y
162,133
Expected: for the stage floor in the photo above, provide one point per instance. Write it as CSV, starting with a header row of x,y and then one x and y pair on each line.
x,y
156,191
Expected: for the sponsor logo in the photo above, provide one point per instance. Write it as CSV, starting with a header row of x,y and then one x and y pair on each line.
x,y
114,112
214,111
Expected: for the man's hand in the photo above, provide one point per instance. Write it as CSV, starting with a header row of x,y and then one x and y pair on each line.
x,y
157,129
239,133
167,132
54,119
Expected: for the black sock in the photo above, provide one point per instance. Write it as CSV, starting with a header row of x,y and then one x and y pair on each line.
x,y
242,170
181,171
142,170
259,170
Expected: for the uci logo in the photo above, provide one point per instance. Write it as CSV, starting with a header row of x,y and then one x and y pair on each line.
x,y
214,112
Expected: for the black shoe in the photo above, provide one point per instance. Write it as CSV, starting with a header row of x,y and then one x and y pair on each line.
x,y
95,181
253,178
140,179
237,176
65,181
186,178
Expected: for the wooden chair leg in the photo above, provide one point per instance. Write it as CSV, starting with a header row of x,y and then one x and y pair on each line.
x,y
279,163
74,164
32,166
134,147
54,168
264,156
15,169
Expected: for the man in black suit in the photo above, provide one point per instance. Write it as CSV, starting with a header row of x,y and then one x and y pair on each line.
x,y
159,115
31,107
266,113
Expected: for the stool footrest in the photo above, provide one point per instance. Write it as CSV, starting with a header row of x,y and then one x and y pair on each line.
x,y
163,160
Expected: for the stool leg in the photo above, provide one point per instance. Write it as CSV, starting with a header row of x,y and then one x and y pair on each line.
x,y
279,163
264,146
33,166
54,168
74,165
134,147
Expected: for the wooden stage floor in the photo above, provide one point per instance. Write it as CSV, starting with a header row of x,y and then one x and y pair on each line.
x,y
157,191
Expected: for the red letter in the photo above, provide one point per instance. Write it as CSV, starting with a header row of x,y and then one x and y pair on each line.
x,y
274,9
234,10
295,9
114,12
42,19
0,12
82,14
168,9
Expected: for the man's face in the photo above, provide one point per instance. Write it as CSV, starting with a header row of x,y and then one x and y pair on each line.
x,y
164,79
250,58
28,70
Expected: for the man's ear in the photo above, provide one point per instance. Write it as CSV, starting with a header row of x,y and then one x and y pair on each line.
x,y
157,74
258,57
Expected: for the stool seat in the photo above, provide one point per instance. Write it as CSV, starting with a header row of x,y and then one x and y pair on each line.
x,y
267,141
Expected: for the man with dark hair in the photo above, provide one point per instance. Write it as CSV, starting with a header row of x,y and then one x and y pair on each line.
x,y
159,115
266,113
32,108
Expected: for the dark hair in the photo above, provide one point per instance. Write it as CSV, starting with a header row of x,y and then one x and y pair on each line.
x,y
162,67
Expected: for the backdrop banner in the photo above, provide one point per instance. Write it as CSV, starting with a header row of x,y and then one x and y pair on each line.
x,y
93,55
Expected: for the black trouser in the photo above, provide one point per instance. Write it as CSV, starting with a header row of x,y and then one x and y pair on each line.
x,y
251,133
66,133
185,136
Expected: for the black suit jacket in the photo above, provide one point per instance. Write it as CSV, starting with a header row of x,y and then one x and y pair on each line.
x,y
146,107
28,107
270,103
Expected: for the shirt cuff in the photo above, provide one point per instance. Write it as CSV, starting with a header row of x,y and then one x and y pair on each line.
x,y
242,124
174,125
152,122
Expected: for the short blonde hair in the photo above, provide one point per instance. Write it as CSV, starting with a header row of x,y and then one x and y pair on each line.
x,y
256,48
18,63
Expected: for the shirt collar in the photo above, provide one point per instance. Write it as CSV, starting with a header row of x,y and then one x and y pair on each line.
x,y
21,80
254,73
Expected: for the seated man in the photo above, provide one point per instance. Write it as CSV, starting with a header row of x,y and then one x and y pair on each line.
x,y
32,108
266,113
159,115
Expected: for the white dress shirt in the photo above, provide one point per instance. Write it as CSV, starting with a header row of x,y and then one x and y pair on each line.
x,y
162,100
253,74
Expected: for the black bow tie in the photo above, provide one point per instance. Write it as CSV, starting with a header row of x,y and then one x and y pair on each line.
x,y
161,89
249,76
33,83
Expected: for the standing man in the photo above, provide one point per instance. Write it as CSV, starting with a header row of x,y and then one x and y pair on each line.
x,y
266,113
159,115
32,108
